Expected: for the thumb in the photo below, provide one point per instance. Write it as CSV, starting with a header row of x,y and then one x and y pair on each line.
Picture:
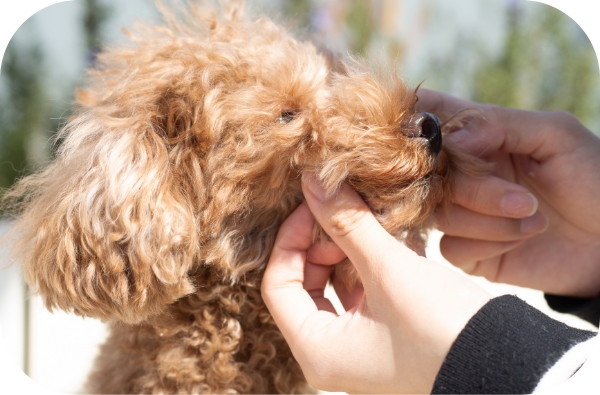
x,y
346,218
535,133
441,103
283,285
540,135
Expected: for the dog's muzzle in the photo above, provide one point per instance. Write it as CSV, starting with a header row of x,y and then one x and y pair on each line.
x,y
427,126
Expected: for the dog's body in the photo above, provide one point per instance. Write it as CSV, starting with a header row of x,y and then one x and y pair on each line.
x,y
174,175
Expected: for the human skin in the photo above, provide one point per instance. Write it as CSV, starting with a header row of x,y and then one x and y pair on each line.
x,y
397,328
548,154
532,222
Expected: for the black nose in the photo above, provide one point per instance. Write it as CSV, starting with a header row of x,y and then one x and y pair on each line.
x,y
432,131
426,125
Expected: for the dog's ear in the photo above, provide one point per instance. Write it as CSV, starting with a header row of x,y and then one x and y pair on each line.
x,y
107,229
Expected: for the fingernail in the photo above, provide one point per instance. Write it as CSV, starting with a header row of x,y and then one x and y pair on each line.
x,y
315,186
537,223
518,204
458,136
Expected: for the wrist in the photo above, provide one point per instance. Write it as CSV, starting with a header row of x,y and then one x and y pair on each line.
x,y
435,317
505,348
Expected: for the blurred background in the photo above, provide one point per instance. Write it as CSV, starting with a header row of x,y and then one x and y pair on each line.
x,y
508,52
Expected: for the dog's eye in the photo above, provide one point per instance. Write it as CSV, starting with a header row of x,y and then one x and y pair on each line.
x,y
287,117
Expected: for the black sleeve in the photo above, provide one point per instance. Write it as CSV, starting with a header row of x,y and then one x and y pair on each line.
x,y
587,309
505,349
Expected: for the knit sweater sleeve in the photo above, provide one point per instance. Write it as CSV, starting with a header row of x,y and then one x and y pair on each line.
x,y
508,347
587,309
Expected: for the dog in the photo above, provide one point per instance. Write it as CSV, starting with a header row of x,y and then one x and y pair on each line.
x,y
183,157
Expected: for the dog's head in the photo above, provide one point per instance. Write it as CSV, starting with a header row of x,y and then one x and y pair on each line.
x,y
185,155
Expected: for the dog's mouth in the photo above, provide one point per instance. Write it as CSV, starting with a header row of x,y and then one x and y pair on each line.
x,y
424,125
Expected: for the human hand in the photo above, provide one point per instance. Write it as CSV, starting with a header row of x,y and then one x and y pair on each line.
x,y
489,231
399,325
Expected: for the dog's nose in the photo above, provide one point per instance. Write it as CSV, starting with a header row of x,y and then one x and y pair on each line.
x,y
427,125
432,131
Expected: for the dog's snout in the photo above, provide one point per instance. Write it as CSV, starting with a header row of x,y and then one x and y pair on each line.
x,y
427,126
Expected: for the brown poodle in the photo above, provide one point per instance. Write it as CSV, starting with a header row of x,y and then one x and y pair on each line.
x,y
183,157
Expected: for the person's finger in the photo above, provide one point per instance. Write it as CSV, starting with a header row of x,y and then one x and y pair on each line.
x,y
346,218
540,135
468,254
325,252
349,296
315,281
462,222
321,257
282,286
493,196
441,103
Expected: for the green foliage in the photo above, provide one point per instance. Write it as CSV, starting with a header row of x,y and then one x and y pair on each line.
x,y
357,18
546,64
94,17
497,81
23,111
299,10
27,121
361,25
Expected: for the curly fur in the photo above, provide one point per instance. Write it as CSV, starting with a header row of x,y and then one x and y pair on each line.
x,y
183,157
